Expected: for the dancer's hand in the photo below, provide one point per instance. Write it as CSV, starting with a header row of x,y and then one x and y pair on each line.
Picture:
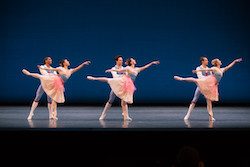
x,y
238,60
108,71
194,71
41,68
156,62
87,62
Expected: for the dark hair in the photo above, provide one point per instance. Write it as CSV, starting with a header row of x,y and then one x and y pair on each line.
x,y
202,59
128,62
61,62
46,58
117,57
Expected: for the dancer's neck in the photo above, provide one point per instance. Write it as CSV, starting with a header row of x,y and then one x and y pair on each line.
x,y
47,65
204,66
119,66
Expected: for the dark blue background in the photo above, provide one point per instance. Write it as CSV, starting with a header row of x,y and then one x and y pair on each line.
x,y
175,32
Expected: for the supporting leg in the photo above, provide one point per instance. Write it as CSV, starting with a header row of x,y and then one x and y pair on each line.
x,y
50,108
209,109
54,105
39,94
125,111
107,106
191,107
33,107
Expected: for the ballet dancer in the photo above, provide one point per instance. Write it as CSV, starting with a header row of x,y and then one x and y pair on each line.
x,y
53,85
119,62
123,87
209,85
200,74
40,91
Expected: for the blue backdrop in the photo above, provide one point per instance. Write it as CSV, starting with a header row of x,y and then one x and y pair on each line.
x,y
176,32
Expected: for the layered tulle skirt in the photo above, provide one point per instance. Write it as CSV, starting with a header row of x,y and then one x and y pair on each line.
x,y
123,87
209,87
53,87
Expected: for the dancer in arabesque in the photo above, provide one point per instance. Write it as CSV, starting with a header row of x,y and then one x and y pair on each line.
x,y
40,91
124,87
112,96
54,85
209,85
200,74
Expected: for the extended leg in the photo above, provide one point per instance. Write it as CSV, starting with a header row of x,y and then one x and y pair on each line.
x,y
189,79
103,79
35,75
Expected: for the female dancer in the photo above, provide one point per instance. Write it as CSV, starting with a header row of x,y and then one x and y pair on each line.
x,y
123,87
53,85
209,85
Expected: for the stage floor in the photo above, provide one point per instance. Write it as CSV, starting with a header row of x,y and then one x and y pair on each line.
x,y
154,117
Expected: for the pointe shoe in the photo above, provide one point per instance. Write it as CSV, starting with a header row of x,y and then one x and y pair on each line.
x,y
90,78
211,118
186,117
55,118
127,118
30,117
26,72
102,117
178,78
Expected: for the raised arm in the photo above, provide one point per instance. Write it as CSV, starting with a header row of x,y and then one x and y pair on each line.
x,y
80,66
231,65
148,65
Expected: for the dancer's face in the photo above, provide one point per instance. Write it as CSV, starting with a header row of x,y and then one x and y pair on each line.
x,y
66,63
48,61
219,62
119,62
133,61
205,61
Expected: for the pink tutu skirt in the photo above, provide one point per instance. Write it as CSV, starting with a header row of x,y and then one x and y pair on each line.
x,y
209,87
53,87
123,88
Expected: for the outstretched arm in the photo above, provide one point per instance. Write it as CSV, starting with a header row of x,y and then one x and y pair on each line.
x,y
231,65
148,65
80,66
117,70
48,69
207,69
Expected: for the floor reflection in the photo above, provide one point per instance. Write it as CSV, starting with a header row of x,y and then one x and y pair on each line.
x,y
125,124
191,124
